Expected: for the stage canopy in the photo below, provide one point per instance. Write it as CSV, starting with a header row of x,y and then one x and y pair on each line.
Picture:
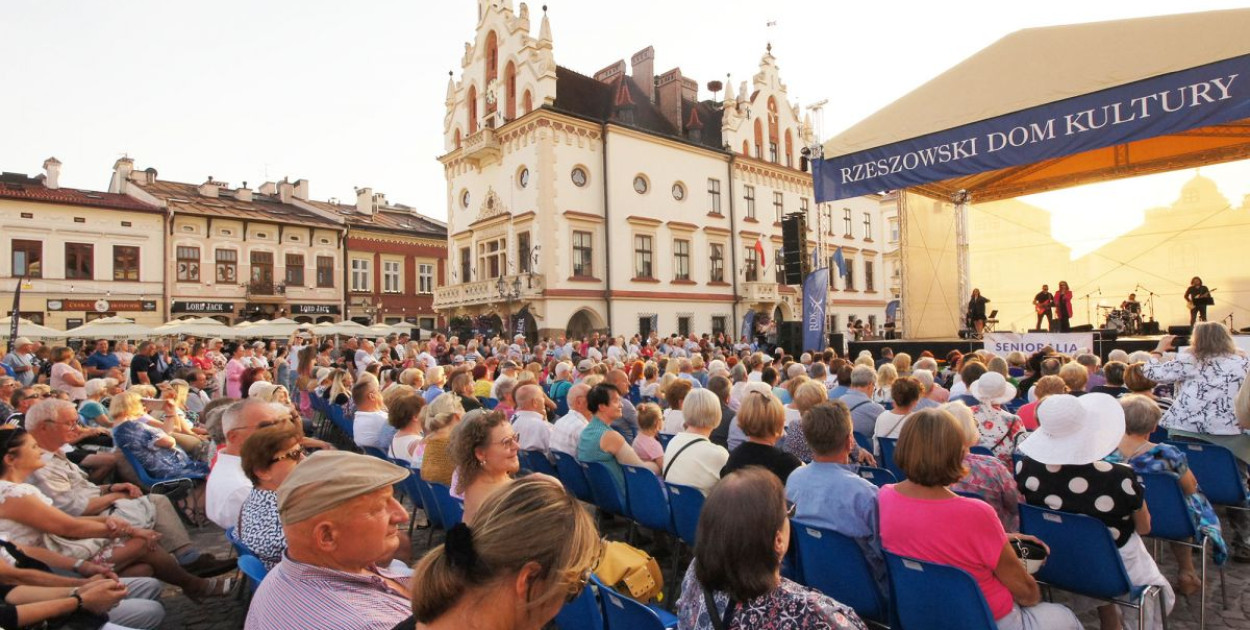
x,y
1047,108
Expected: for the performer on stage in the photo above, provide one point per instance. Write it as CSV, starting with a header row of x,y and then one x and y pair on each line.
x,y
1042,302
1063,306
1132,314
1199,298
976,311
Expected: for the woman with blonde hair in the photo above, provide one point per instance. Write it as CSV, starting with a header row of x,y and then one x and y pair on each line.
x,y
987,477
763,419
156,451
484,451
886,375
808,394
481,578
902,363
173,420
439,417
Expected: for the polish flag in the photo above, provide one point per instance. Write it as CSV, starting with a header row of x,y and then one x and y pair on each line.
x,y
759,249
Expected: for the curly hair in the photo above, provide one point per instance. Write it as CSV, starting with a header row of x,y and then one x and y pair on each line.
x,y
472,434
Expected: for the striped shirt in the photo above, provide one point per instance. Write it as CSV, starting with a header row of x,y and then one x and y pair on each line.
x,y
298,596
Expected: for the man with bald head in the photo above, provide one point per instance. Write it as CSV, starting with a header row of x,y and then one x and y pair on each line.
x,y
227,486
529,422
568,430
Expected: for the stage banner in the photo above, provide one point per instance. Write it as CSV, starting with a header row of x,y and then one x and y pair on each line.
x,y
815,296
1028,343
1206,95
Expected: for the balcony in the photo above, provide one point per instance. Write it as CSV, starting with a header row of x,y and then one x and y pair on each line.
x,y
482,147
485,292
263,290
758,292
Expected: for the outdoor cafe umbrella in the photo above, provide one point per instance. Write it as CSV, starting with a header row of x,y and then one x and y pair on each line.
x,y
273,329
202,327
27,328
110,328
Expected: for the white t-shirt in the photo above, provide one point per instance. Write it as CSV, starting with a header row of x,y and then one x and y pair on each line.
x,y
363,361
568,432
366,425
227,488
698,466
674,422
889,425
533,430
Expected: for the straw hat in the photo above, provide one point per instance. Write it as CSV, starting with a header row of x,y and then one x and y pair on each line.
x,y
993,389
1075,430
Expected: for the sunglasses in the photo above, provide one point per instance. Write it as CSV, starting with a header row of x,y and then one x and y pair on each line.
x,y
296,455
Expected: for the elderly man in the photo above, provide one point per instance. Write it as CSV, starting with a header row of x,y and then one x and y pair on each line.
x,y
228,487
858,399
340,518
364,357
21,360
370,414
21,401
530,423
568,430
53,424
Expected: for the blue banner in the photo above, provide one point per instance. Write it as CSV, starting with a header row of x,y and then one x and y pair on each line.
x,y
839,261
815,296
1206,95
748,326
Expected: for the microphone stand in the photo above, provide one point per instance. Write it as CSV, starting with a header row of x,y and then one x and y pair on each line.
x,y
1150,300
1088,317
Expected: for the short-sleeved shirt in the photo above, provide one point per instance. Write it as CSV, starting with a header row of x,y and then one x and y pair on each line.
x,y
834,496
88,411
989,479
774,459
647,447
691,460
104,362
1108,492
260,528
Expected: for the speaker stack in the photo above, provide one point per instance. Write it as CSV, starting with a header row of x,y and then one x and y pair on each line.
x,y
794,247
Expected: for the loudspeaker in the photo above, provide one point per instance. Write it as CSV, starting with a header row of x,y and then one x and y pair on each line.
x,y
837,343
790,337
1181,331
1106,334
1081,328
1150,328
794,247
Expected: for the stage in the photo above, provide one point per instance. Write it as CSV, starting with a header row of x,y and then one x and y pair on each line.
x,y
940,347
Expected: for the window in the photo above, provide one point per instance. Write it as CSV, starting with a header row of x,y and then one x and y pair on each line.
x,y
579,176
644,326
427,323
749,197
27,259
262,267
360,275
683,326
425,278
846,221
641,186
826,216
325,271
713,195
227,265
869,281
779,205
295,270
582,252
867,226
807,213
524,251
390,276
751,265
717,262
719,324
642,256
491,257
681,259
850,274
466,265
188,263
894,230
125,262
772,152
779,264
79,261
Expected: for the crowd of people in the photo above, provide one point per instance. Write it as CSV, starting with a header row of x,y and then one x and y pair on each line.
x,y
764,436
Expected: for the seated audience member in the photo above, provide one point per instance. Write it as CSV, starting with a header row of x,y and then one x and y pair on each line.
x,y
1046,386
529,420
92,412
922,518
370,414
841,371
1063,469
391,397
763,419
52,423
481,578
691,459
156,451
27,517
1136,382
505,391
1000,429
829,492
864,412
808,394
627,424
1075,377
340,519
925,379
1113,372
404,416
1141,418
440,418
645,444
905,393
675,395
172,419
567,432
484,451
727,428
599,443
227,486
1093,376
461,384
268,456
987,477
743,534
971,371
886,375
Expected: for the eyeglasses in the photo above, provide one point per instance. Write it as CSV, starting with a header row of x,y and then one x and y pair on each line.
x,y
296,455
791,508
268,423
32,397
511,440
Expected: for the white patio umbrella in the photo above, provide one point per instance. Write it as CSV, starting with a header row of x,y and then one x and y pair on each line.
x,y
203,327
351,328
27,328
110,328
274,329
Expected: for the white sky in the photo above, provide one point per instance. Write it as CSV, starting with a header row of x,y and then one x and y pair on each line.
x,y
351,94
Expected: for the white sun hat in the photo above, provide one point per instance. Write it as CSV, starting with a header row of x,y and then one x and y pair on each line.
x,y
1074,430
993,389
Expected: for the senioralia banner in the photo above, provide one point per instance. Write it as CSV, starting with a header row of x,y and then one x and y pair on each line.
x,y
1205,95
1028,343
815,294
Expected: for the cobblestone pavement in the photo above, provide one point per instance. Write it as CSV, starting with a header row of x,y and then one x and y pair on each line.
x,y
228,613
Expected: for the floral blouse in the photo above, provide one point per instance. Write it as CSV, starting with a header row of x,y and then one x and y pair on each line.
x,y
1000,430
1204,393
990,480
260,528
790,606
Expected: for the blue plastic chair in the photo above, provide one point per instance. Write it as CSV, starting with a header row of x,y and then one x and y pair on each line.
x,y
835,565
878,476
241,549
582,613
537,461
1084,560
863,441
981,450
254,569
489,403
608,496
685,503
648,507
635,394
411,486
929,596
451,509
375,452
570,473
1218,474
341,421
887,457
1170,521
433,510
623,613
168,486
664,439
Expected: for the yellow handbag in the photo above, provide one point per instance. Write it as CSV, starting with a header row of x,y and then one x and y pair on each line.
x,y
630,571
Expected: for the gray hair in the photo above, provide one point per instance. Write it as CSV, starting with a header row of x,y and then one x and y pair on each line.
x,y
925,363
1141,414
925,377
1117,355
232,417
863,376
795,370
46,411
963,414
701,409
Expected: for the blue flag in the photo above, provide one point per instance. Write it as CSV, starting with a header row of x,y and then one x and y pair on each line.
x,y
815,294
839,261
748,325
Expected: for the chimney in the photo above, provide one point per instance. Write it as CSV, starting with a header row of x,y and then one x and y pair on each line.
x,y
121,175
286,191
642,64
668,89
243,194
149,176
301,189
52,176
364,201
268,188
611,72
689,89
379,200
209,188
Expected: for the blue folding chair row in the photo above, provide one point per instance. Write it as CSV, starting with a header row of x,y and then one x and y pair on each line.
x,y
835,565
254,569
536,461
887,457
600,607
1170,521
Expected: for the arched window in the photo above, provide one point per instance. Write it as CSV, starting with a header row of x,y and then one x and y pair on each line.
x,y
746,147
789,150
457,138
527,102
492,68
509,78
472,109
759,138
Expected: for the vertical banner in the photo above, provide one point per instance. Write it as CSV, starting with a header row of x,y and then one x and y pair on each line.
x,y
748,326
815,296
17,309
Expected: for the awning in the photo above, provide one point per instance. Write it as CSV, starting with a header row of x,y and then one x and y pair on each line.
x,y
1048,108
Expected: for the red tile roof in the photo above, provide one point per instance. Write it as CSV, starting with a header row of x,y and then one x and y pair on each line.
x,y
400,220
19,186
186,198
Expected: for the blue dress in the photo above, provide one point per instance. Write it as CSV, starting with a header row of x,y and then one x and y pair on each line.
x,y
140,440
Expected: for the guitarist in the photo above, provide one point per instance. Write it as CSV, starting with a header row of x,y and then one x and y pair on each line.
x,y
1042,302
1199,298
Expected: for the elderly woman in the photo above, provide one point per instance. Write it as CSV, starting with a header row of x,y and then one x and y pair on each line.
x,y
404,415
808,394
599,443
484,450
691,459
763,419
1076,377
905,394
1136,382
156,451
743,534
1046,386
439,417
886,375
675,396
1000,429
67,375
987,477
92,412
268,456
461,384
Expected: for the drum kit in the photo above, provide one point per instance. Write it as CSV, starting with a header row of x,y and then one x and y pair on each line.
x,y
1123,321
